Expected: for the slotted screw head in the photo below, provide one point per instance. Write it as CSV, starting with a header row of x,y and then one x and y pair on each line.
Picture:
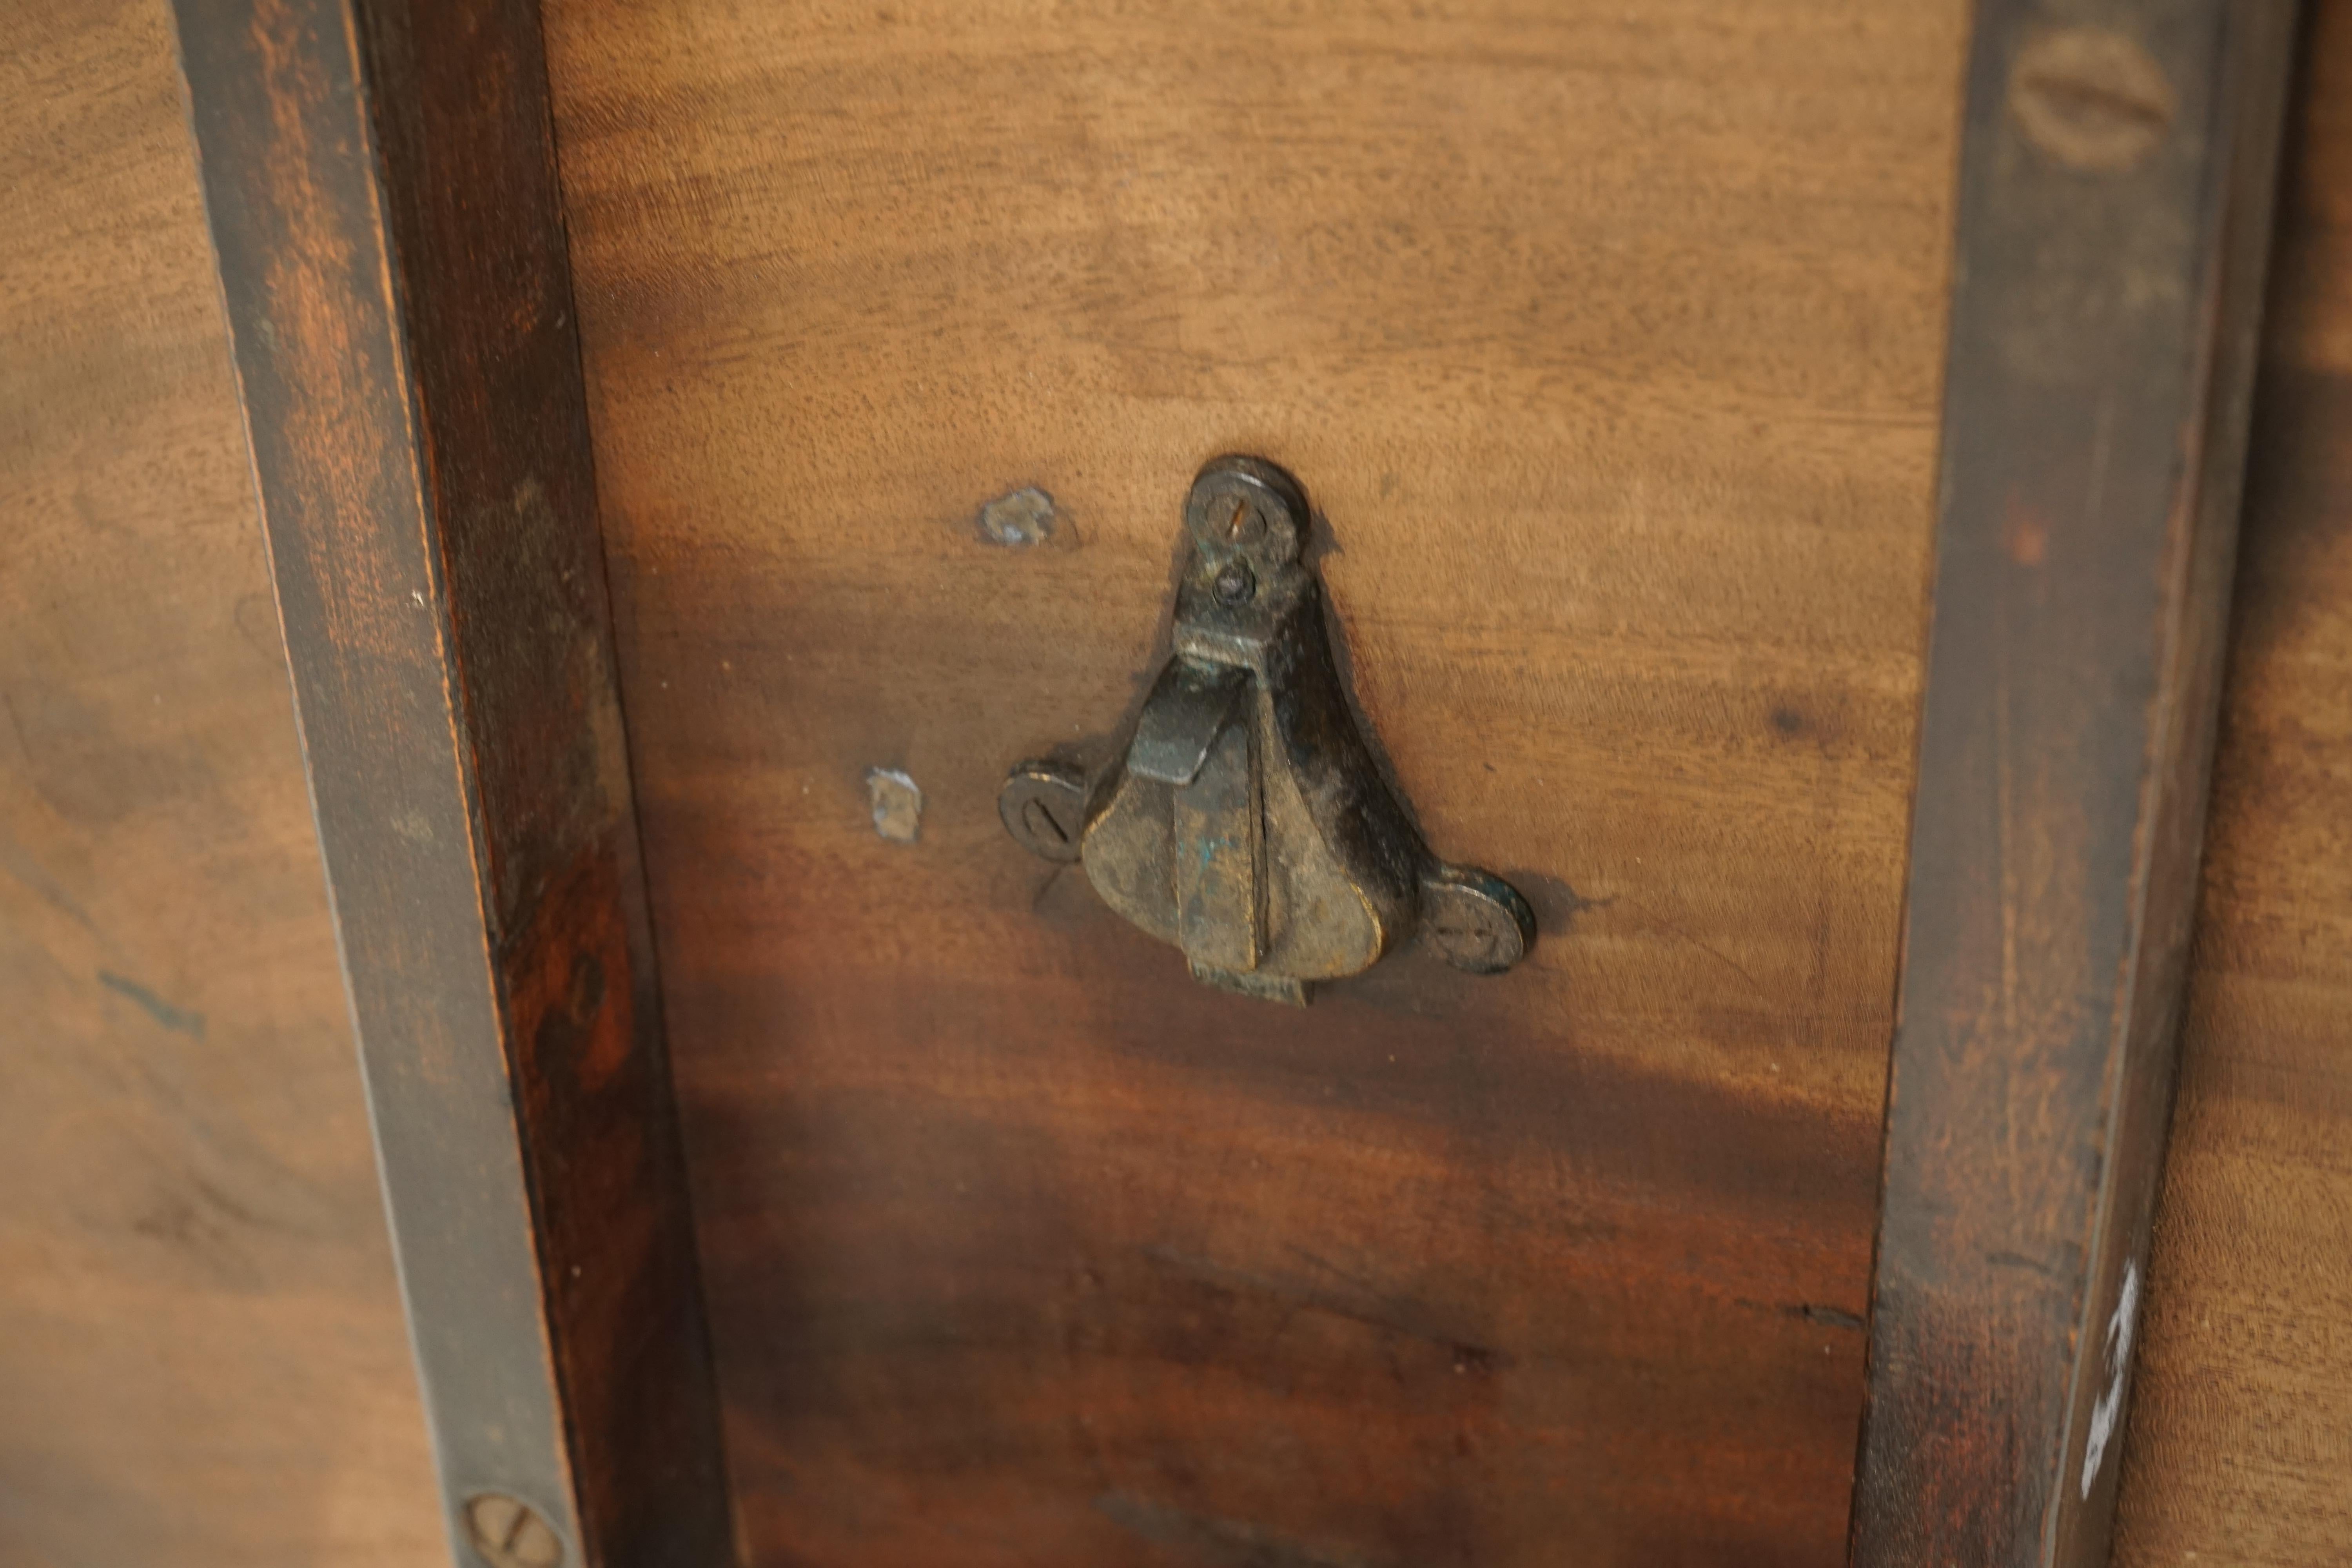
x,y
1044,806
507,1532
1475,921
1246,506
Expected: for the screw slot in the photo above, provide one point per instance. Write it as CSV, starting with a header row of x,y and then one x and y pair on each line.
x,y
1244,526
1042,826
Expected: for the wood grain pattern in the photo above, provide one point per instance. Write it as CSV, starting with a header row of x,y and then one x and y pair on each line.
x,y
381,185
201,1354
1607,343
2113,216
2241,1433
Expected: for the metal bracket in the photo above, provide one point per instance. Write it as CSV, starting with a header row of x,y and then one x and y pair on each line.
x,y
1244,819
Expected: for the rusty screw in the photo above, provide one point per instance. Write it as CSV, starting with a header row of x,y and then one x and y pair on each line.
x,y
1249,506
507,1532
1044,806
2091,97
1476,921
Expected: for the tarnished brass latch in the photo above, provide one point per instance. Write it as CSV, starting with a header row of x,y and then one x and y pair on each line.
x,y
1244,819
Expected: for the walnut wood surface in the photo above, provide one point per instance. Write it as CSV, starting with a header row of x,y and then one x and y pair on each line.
x,y
1608,340
2108,267
380,180
202,1361
2241,1434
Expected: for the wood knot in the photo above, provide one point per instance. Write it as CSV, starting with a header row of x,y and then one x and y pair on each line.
x,y
2091,97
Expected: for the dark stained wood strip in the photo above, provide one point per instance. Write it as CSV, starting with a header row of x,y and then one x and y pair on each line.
x,y
2241,1427
2114,214
381,185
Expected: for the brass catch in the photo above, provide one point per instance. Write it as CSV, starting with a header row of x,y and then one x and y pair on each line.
x,y
1244,819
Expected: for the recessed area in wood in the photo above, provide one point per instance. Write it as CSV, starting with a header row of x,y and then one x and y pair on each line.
x,y
1610,343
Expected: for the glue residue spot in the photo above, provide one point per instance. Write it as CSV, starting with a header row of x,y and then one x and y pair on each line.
x,y
898,804
1021,520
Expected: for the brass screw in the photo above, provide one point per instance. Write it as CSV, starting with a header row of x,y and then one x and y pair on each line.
x,y
1475,922
1044,806
507,1532
2091,97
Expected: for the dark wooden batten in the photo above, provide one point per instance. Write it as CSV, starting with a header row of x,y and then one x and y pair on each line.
x,y
2117,169
381,183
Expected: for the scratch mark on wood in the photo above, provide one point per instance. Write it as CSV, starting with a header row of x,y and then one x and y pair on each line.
x,y
2003,1260
2108,1412
1831,1316
181,1020
1715,953
23,869
1229,1544
2005,824
1367,1305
